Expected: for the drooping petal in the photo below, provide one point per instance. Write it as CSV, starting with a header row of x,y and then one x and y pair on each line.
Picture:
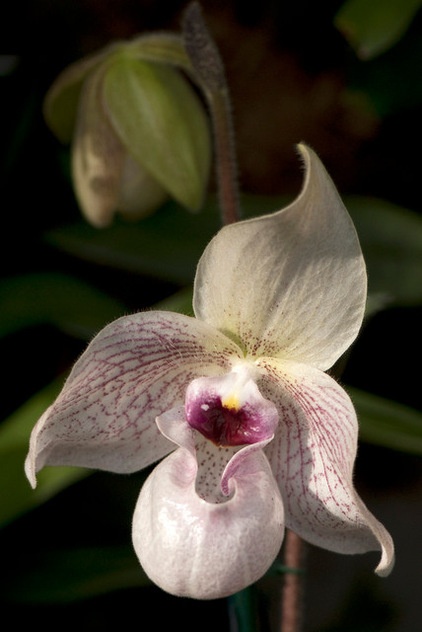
x,y
207,550
139,194
291,284
163,47
313,455
162,123
61,102
97,155
133,370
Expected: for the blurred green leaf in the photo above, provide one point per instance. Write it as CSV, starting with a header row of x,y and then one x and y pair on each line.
x,y
387,423
64,301
373,27
179,302
243,610
166,245
63,576
391,82
169,244
391,239
16,494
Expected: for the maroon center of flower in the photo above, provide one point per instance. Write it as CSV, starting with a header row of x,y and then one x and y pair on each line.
x,y
224,425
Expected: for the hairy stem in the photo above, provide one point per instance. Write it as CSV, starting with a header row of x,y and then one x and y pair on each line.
x,y
225,158
209,72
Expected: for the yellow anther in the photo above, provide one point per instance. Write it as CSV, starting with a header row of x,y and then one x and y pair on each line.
x,y
231,402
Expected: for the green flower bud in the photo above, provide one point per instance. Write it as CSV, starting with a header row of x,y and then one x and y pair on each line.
x,y
138,131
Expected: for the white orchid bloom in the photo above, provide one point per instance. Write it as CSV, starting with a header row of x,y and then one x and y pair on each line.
x,y
257,437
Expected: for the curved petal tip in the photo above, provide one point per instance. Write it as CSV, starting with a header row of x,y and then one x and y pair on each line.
x,y
387,560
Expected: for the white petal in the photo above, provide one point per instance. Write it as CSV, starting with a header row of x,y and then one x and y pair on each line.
x,y
313,456
97,155
61,101
194,548
135,368
139,193
291,284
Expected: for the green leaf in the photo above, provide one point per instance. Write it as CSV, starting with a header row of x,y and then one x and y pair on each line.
x,y
16,494
387,423
399,67
243,609
163,125
169,244
373,27
391,239
64,301
166,245
63,576
180,302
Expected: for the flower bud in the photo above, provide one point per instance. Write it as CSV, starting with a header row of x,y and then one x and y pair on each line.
x,y
138,131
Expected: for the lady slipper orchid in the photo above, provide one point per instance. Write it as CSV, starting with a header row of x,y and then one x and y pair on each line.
x,y
138,131
257,436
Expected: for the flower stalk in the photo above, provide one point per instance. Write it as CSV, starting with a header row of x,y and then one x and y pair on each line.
x,y
292,591
209,72
208,65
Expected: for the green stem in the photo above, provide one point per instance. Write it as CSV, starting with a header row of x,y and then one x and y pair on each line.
x,y
243,611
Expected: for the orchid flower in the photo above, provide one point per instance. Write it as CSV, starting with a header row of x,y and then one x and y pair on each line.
x,y
256,435
138,131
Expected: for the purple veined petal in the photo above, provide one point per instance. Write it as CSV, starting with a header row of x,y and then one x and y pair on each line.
x,y
136,368
291,284
208,550
313,456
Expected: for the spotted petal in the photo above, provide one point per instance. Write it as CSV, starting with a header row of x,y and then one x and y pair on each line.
x,y
207,549
291,284
134,369
313,457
